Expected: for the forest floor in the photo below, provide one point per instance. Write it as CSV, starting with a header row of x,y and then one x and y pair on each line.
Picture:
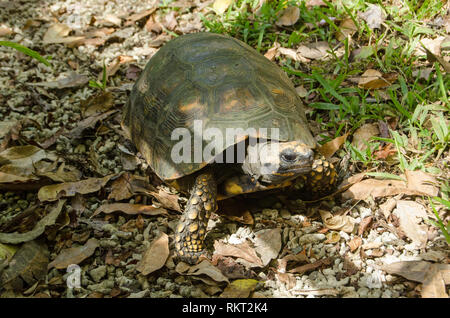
x,y
83,215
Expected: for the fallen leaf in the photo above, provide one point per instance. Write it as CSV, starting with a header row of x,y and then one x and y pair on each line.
x,y
332,237
39,228
324,262
7,251
364,225
114,66
203,268
128,208
170,22
433,285
57,33
96,104
337,222
72,80
328,149
167,200
132,19
346,29
290,53
243,250
153,26
220,6
373,16
240,288
272,53
29,265
74,255
268,244
87,123
287,279
288,16
297,258
373,79
108,20
421,181
314,51
361,190
385,152
155,256
69,189
417,270
411,214
354,243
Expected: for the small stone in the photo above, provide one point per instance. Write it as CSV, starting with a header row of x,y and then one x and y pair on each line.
x,y
270,213
285,214
140,294
311,238
98,273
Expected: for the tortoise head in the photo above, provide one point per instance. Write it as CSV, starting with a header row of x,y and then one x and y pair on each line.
x,y
277,162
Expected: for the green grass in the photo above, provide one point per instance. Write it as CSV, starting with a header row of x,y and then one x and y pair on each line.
x,y
26,51
420,106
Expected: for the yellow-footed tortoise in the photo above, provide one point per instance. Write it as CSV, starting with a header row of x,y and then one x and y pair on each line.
x,y
215,119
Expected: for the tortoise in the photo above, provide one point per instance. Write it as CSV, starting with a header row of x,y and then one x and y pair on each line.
x,y
197,91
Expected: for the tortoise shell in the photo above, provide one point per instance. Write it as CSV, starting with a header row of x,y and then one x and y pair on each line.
x,y
218,80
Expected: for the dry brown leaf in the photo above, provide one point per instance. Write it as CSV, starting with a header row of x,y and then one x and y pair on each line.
x,y
417,270
155,256
97,104
39,228
29,265
268,244
363,134
381,188
373,79
243,250
314,51
354,243
347,29
128,208
364,225
374,16
72,80
114,66
288,16
422,181
57,33
108,20
88,122
434,285
167,200
328,149
69,189
132,19
220,6
74,255
203,268
170,22
324,262
287,279
410,215
337,222
332,237
272,53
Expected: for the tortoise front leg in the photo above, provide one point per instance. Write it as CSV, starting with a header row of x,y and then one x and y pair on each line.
x,y
191,231
320,181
